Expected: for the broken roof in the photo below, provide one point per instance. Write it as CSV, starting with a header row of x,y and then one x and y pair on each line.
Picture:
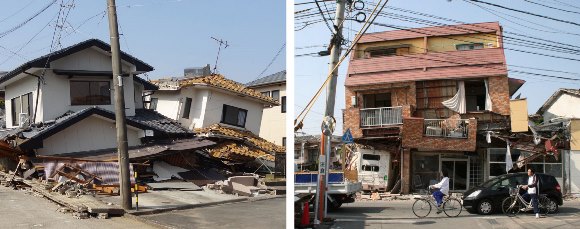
x,y
276,78
554,97
143,119
220,130
220,82
40,62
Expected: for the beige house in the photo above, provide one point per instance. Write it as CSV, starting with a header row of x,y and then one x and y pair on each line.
x,y
199,102
274,117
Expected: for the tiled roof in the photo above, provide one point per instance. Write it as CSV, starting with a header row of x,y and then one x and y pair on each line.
x,y
226,149
278,77
436,65
486,27
255,140
158,121
219,81
554,96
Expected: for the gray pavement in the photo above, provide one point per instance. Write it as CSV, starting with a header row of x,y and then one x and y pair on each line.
x,y
269,213
398,214
21,210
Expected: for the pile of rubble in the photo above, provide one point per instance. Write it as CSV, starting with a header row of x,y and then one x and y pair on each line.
x,y
247,185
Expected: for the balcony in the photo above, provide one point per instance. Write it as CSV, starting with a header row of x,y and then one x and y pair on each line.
x,y
447,128
381,116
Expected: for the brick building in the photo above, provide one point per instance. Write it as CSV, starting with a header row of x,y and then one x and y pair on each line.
x,y
428,96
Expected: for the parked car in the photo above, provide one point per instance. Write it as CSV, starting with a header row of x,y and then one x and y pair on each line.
x,y
487,198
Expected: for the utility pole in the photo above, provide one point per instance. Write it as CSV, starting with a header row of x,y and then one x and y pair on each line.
x,y
325,144
124,176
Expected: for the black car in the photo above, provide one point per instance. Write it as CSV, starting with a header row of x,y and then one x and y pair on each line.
x,y
487,198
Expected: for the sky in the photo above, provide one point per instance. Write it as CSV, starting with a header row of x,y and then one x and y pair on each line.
x,y
311,70
170,35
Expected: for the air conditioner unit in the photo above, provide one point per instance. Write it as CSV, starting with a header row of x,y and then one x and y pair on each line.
x,y
23,119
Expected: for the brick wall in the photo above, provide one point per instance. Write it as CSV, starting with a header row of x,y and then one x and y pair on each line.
x,y
402,94
499,93
413,137
406,182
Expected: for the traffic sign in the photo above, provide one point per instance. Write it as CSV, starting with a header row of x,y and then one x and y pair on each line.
x,y
347,137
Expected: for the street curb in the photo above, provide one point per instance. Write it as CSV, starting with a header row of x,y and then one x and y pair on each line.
x,y
191,206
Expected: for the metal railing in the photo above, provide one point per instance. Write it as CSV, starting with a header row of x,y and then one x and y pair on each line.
x,y
449,128
381,116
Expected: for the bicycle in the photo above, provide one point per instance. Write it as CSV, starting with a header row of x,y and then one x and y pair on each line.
x,y
516,203
451,206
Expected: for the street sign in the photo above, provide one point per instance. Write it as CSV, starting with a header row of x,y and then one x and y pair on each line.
x,y
322,165
347,137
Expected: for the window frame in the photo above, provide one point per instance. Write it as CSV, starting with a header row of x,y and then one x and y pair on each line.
x,y
277,98
16,115
283,104
86,103
186,108
223,118
471,46
153,103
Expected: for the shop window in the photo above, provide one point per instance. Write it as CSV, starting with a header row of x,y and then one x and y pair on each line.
x,y
544,164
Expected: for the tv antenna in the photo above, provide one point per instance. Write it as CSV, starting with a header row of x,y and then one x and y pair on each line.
x,y
221,43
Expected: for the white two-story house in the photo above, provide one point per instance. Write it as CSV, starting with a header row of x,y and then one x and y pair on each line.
x,y
273,86
62,103
199,102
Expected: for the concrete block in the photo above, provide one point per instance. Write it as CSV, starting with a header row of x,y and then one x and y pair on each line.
x,y
241,189
245,180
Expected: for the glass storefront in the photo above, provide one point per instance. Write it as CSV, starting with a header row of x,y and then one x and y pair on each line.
x,y
549,164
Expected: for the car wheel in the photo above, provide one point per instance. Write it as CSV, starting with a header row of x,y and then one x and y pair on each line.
x,y
485,207
552,206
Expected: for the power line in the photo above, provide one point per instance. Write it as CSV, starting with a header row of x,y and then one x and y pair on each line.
x,y
551,7
272,61
3,34
20,10
525,12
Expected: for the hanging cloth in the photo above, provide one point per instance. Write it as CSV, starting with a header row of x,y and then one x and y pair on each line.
x,y
509,164
457,103
488,104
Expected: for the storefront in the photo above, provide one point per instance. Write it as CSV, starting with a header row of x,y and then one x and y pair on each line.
x,y
549,164
426,167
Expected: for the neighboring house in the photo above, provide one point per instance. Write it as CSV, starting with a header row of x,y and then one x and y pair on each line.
x,y
62,103
425,95
307,151
273,126
202,101
562,108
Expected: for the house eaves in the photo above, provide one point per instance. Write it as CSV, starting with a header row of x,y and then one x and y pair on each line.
x,y
40,62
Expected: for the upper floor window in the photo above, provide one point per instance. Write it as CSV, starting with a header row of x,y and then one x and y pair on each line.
x,y
276,95
387,51
90,92
283,104
234,116
186,108
265,93
473,46
377,100
153,103
21,105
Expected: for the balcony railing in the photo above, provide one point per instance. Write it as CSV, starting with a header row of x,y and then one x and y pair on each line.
x,y
381,116
449,128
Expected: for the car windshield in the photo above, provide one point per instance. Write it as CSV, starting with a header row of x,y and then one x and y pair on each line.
x,y
489,183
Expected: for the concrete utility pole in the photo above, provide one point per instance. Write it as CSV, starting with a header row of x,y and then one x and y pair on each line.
x,y
124,176
325,144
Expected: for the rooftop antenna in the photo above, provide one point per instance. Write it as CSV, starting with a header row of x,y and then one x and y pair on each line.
x,y
225,44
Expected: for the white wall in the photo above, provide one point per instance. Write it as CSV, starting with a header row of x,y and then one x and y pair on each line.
x,y
167,103
199,101
575,171
273,126
18,88
561,107
92,133
216,101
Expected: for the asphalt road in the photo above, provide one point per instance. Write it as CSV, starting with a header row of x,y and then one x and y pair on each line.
x,y
21,210
259,214
398,214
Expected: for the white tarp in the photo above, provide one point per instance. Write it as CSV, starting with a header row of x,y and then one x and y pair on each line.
x,y
165,171
488,104
509,164
457,103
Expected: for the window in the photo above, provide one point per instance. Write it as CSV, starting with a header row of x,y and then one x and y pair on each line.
x,y
544,164
475,95
371,157
283,104
284,141
21,104
462,47
387,51
234,116
153,104
90,92
186,108
372,168
265,93
377,100
276,95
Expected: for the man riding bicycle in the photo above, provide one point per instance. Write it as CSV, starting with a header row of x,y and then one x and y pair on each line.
x,y
443,187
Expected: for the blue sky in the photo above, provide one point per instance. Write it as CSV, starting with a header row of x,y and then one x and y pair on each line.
x,y
170,35
311,71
